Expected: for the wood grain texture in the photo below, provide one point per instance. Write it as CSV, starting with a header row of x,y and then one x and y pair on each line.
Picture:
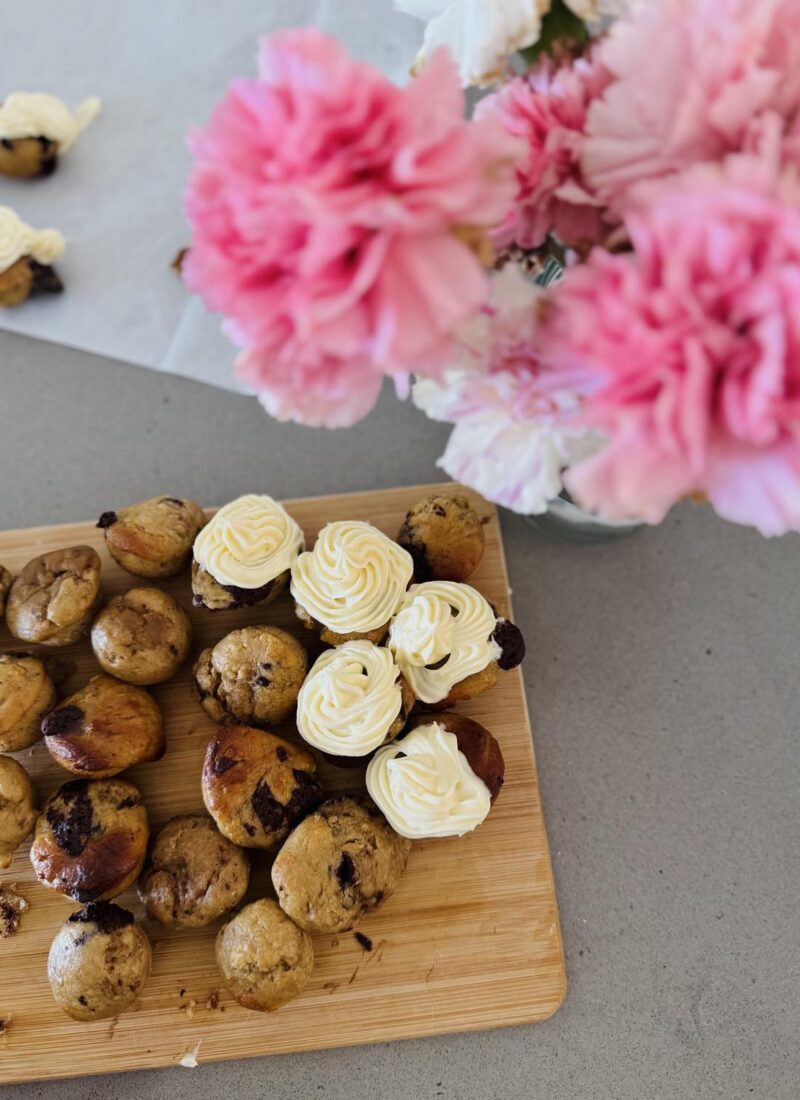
x,y
470,939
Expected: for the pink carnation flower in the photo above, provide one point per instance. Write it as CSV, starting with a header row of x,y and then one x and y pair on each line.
x,y
693,81
325,205
515,428
547,109
689,350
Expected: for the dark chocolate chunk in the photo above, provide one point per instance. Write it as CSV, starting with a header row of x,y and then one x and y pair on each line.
x,y
223,764
270,812
107,916
263,681
6,143
69,815
408,540
281,754
246,596
108,519
346,871
365,941
128,803
438,510
63,720
510,640
45,279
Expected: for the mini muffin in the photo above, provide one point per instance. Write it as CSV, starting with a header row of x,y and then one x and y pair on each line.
x,y
252,676
337,865
444,536
91,839
104,728
192,874
5,583
142,636
27,256
354,699
244,553
99,962
36,128
17,811
52,600
449,643
438,780
265,960
26,695
351,583
153,538
256,786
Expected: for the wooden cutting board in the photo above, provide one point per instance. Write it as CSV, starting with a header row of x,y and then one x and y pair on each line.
x,y
469,940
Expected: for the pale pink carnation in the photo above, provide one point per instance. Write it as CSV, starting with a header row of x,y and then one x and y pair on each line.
x,y
694,80
547,110
689,350
323,202
515,428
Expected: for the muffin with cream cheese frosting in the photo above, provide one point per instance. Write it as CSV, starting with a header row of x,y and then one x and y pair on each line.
x,y
351,583
36,129
27,256
449,643
244,554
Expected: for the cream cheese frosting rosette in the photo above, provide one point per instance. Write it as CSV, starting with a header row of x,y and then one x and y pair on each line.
x,y
353,700
35,128
26,258
244,553
351,583
425,787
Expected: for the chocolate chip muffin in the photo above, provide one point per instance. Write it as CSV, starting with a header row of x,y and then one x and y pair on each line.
x,y
256,786
17,811
210,594
6,579
99,962
337,865
52,600
444,536
192,874
26,694
26,257
36,128
154,537
104,728
91,839
142,636
480,747
252,677
265,960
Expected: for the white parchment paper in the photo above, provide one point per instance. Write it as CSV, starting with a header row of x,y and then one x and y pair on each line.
x,y
159,66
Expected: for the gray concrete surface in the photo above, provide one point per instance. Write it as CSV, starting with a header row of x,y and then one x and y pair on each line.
x,y
663,685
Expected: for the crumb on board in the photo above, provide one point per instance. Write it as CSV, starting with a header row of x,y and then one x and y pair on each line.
x,y
5,1025
189,1060
365,941
182,993
213,1000
12,906
331,986
189,1008
177,263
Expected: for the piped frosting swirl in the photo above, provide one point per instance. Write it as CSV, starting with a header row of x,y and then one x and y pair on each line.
x,y
354,578
38,114
442,633
18,240
249,542
425,787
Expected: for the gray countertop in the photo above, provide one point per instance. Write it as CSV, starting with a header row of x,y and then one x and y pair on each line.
x,y
662,681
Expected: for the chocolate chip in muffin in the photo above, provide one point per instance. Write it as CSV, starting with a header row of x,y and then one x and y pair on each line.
x,y
107,916
63,720
509,638
70,817
45,279
107,519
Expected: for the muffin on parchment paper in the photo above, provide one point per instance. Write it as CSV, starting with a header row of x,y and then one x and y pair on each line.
x,y
449,643
27,693
153,538
99,962
142,636
17,810
444,535
252,676
265,960
351,583
27,256
91,839
338,864
52,600
192,874
104,728
36,129
257,786
244,553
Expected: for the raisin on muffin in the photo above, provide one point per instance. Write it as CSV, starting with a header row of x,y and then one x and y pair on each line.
x,y
142,636
444,535
52,600
338,864
252,676
154,537
90,839
264,959
99,962
256,786
17,810
104,728
192,874
26,694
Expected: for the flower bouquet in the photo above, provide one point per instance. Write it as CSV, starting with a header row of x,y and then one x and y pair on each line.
x,y
349,230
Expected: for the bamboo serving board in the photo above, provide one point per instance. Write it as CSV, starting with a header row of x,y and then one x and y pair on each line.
x,y
469,940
